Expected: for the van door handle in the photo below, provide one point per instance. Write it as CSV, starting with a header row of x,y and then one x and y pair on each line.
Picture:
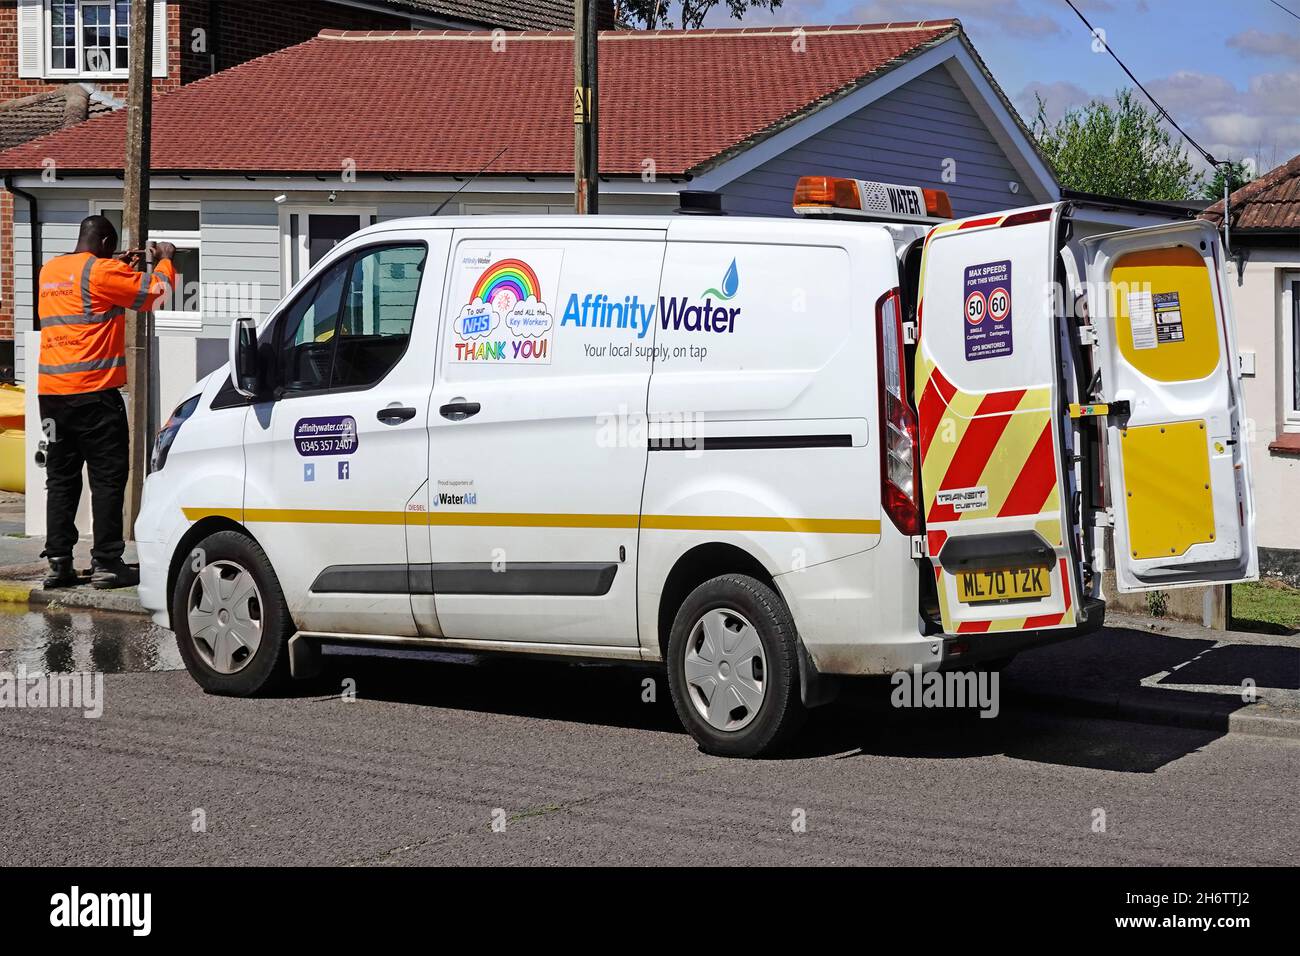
x,y
458,409
393,414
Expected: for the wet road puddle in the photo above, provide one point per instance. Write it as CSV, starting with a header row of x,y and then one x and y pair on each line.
x,y
68,639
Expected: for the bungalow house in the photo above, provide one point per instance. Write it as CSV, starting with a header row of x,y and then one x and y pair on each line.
x,y
1264,275
260,169
62,61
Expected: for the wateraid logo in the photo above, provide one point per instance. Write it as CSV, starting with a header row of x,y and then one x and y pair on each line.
x,y
599,311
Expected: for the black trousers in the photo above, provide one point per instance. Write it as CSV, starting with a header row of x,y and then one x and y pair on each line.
x,y
87,429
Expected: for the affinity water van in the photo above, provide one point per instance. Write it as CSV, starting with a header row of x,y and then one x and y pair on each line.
x,y
766,452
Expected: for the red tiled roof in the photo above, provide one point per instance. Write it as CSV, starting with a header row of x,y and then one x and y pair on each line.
x,y
1270,202
431,101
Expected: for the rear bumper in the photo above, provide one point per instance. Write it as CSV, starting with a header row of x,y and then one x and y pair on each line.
x,y
964,650
858,616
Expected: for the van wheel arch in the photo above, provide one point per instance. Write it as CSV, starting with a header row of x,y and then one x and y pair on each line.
x,y
706,561
200,530
700,564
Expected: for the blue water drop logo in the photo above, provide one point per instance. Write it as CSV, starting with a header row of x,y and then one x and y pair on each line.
x,y
730,284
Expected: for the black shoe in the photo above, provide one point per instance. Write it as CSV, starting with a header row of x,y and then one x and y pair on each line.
x,y
113,574
62,574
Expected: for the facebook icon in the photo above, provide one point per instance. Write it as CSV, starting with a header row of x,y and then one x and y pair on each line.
x,y
343,471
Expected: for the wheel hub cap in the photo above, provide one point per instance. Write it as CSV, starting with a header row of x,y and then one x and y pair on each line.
x,y
726,669
225,616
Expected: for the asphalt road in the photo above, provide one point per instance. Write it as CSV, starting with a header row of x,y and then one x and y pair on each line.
x,y
582,771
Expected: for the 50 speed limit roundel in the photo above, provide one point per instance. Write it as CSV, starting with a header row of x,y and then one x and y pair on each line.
x,y
987,299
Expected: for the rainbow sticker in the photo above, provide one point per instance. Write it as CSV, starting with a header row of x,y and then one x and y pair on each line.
x,y
512,277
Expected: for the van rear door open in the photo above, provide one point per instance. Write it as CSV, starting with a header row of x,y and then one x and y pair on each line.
x,y
1007,524
1178,468
988,395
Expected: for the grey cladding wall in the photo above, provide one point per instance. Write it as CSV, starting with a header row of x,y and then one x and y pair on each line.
x,y
904,137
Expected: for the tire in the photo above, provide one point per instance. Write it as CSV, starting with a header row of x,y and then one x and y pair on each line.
x,y
223,657
755,619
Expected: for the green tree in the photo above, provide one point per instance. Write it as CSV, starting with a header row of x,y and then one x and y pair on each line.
x,y
1118,150
657,14
1238,173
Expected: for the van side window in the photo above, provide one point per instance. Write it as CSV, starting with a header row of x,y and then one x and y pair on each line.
x,y
378,311
307,338
353,324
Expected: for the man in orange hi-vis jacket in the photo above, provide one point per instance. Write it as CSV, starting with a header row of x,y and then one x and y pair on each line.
x,y
84,298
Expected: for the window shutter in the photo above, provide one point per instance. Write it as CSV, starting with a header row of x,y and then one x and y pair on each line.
x,y
159,38
31,38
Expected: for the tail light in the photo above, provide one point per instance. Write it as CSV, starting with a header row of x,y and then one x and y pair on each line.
x,y
898,445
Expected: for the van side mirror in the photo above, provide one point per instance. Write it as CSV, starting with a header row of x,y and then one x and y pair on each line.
x,y
243,357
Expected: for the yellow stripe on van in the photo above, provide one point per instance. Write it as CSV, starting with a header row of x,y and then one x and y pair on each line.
x,y
725,523
537,520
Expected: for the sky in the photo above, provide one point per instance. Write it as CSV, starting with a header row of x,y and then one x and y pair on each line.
x,y
1229,72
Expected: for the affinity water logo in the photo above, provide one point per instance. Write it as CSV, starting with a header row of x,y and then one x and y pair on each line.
x,y
677,313
730,285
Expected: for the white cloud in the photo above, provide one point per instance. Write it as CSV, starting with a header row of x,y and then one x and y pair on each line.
x,y
1011,16
1258,122
1259,43
1058,98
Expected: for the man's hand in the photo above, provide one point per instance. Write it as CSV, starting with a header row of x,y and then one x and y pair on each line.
x,y
132,257
162,250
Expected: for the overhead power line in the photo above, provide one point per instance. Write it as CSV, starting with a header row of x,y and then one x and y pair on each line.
x,y
1285,9
1138,83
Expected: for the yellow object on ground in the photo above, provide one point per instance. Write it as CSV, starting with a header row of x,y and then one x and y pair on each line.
x,y
13,407
13,443
13,460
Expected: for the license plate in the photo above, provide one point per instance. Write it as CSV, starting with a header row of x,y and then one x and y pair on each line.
x,y
977,587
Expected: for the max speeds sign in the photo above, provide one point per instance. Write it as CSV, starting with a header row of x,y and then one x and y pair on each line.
x,y
988,310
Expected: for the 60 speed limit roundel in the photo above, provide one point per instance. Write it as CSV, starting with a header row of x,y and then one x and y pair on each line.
x,y
986,299
999,303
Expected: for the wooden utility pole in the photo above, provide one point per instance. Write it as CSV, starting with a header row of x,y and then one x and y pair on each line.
x,y
135,231
586,165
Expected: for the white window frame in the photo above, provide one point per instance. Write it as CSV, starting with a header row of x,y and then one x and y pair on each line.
x,y
369,215
48,50
172,320
1290,417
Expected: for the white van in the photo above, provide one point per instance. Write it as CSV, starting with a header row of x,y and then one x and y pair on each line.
x,y
766,452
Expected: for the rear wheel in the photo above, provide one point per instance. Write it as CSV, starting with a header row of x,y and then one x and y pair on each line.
x,y
733,667
232,625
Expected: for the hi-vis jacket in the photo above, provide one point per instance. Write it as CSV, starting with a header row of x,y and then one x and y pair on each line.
x,y
83,326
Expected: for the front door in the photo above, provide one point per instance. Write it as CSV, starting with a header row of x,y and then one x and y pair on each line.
x,y
311,232
337,456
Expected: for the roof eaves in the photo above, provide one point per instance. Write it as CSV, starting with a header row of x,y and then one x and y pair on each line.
x,y
1247,193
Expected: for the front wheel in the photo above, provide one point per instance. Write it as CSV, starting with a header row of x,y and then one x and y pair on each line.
x,y
232,625
733,667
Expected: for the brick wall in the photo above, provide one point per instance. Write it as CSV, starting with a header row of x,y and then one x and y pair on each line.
x,y
235,31
13,87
